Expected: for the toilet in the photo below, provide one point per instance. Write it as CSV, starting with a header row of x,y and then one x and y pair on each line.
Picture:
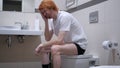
x,y
77,61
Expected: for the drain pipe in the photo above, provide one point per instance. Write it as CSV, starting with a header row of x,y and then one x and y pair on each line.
x,y
21,38
9,41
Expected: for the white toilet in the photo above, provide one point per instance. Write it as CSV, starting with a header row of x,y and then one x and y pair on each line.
x,y
78,61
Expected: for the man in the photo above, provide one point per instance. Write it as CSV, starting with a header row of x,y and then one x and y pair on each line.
x,y
70,40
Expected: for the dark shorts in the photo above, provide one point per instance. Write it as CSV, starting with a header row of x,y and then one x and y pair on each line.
x,y
79,49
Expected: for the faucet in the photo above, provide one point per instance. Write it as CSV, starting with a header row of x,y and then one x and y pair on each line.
x,y
21,25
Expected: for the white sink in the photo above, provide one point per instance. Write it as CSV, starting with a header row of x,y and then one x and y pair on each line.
x,y
10,28
21,32
16,30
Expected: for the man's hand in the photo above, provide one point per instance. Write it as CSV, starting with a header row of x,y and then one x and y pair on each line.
x,y
38,49
44,16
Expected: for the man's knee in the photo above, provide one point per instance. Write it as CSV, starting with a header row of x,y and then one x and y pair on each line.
x,y
55,50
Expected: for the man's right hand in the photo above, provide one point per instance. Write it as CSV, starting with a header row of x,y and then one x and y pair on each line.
x,y
44,17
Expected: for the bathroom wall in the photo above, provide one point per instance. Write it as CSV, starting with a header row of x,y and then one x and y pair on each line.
x,y
107,28
28,6
0,5
62,3
9,18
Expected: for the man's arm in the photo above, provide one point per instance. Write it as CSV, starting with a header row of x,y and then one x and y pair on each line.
x,y
58,41
48,34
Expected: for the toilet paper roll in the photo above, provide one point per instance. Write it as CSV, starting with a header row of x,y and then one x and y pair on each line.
x,y
107,45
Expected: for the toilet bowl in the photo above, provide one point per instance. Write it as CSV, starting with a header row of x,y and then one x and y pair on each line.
x,y
77,61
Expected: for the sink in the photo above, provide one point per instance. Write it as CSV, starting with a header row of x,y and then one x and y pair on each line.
x,y
16,30
10,27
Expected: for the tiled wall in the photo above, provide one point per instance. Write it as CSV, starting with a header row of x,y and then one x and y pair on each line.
x,y
107,28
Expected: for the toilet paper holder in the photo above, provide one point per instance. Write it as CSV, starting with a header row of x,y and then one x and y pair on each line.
x,y
110,45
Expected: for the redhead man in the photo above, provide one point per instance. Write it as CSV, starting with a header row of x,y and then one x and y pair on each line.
x,y
71,39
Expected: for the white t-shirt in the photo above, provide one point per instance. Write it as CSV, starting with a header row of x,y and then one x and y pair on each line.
x,y
74,31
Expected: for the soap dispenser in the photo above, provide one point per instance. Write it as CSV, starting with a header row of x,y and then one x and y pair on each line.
x,y
37,26
26,26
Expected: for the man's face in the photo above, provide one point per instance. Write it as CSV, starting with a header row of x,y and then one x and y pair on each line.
x,y
46,13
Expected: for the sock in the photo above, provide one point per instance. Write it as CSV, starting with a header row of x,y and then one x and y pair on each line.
x,y
50,65
45,65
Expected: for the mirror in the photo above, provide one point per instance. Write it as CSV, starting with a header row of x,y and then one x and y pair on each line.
x,y
18,5
12,5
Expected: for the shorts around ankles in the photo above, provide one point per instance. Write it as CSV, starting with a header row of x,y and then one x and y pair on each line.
x,y
79,49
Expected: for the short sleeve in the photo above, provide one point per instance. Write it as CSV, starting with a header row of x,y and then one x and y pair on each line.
x,y
65,23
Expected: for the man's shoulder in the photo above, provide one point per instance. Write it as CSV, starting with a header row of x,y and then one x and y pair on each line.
x,y
64,15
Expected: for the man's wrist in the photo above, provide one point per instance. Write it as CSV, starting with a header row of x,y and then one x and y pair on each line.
x,y
44,44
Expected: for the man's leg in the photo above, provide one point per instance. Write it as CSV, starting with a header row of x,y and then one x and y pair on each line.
x,y
56,59
44,54
58,50
45,60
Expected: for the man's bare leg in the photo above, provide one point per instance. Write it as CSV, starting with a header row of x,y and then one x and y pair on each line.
x,y
45,58
58,50
44,54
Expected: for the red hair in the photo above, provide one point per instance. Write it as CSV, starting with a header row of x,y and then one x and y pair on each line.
x,y
49,4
